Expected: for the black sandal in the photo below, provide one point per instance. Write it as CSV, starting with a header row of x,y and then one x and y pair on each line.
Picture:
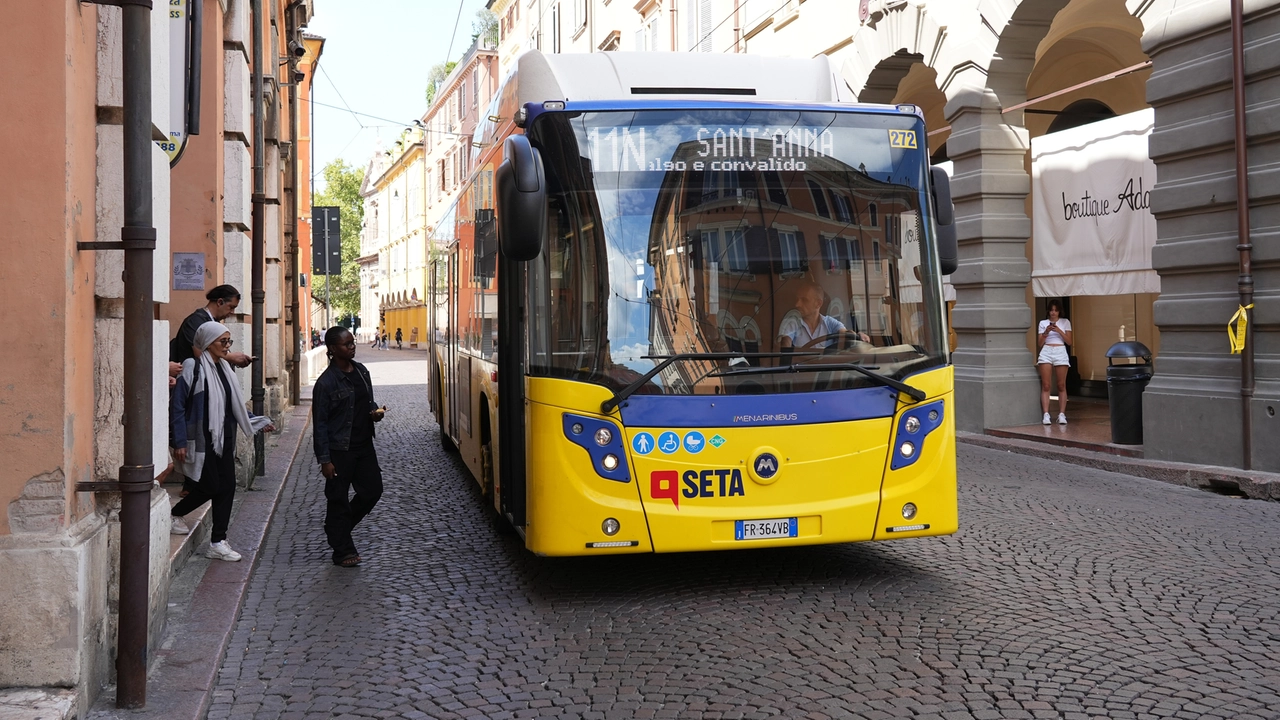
x,y
351,560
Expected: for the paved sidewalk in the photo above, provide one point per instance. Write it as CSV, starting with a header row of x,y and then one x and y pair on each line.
x,y
1227,481
184,669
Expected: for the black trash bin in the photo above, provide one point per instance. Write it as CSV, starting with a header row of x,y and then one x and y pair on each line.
x,y
1125,383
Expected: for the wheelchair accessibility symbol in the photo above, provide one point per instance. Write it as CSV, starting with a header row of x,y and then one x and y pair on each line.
x,y
668,442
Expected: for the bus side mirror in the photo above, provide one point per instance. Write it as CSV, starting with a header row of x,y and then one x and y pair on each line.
x,y
948,249
943,210
944,213
522,200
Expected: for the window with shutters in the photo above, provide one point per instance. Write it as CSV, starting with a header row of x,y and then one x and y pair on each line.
x,y
475,88
725,246
710,185
871,210
735,250
789,249
777,193
579,14
853,255
819,200
843,209
698,24
831,253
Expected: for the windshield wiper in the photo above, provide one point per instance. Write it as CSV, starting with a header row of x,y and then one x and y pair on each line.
x,y
607,406
914,393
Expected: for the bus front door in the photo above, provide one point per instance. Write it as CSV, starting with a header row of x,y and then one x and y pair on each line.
x,y
451,348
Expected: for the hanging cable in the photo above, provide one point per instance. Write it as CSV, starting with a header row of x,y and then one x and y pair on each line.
x,y
396,123
726,19
456,20
339,92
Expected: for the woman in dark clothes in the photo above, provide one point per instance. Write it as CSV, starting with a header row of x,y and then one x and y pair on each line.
x,y
343,413
205,408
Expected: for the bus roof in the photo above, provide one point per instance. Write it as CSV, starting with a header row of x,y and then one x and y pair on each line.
x,y
667,76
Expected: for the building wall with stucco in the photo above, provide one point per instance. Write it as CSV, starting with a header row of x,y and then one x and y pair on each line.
x,y
61,410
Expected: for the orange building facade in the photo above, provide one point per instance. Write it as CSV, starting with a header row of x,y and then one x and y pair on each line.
x,y
61,409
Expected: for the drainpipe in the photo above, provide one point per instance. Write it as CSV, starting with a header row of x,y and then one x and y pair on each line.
x,y
259,241
295,383
1244,244
136,475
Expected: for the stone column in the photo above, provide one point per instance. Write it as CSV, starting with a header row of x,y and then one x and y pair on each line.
x,y
996,381
1192,408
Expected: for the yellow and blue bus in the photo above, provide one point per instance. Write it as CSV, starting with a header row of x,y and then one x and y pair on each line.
x,y
695,302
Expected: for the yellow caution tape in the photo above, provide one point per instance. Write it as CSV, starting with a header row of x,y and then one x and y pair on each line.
x,y
1236,327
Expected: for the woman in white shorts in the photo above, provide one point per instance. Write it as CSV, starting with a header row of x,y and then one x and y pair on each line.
x,y
1052,337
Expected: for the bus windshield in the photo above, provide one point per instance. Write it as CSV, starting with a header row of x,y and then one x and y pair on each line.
x,y
749,238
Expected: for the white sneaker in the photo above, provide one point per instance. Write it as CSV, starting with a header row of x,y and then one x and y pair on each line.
x,y
222,551
1062,418
1046,420
179,526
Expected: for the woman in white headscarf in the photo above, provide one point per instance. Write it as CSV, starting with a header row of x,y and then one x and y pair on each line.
x,y
205,409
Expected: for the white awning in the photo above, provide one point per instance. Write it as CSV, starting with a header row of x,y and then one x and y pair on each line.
x,y
1091,216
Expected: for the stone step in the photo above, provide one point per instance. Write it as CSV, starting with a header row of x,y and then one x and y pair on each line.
x,y
37,704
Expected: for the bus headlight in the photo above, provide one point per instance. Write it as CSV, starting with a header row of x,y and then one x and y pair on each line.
x,y
916,424
610,526
908,511
604,436
610,462
577,428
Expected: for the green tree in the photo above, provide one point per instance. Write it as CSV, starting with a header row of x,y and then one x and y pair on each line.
x,y
342,189
485,28
436,76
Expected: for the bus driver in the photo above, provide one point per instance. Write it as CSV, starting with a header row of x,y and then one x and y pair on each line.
x,y
812,329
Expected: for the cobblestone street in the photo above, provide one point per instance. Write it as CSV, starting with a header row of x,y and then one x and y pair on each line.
x,y
1067,593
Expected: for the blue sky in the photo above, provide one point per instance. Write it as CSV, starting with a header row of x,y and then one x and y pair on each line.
x,y
376,57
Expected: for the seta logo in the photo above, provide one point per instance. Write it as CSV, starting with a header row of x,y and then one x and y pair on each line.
x,y
781,417
665,484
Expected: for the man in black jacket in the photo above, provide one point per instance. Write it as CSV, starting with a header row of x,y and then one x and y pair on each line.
x,y
343,414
